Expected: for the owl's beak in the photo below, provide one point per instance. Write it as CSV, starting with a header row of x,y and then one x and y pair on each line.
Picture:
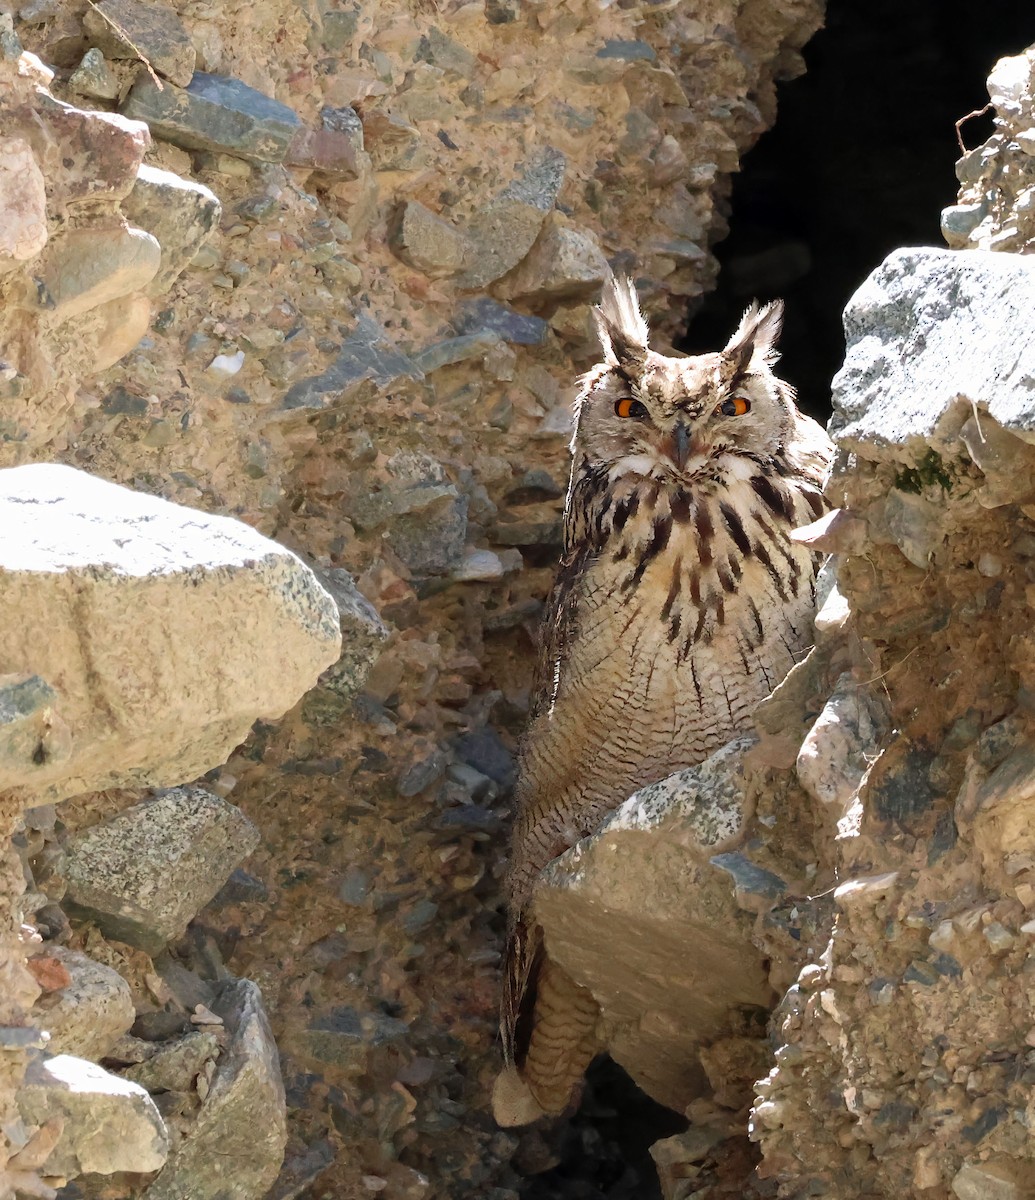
x,y
679,445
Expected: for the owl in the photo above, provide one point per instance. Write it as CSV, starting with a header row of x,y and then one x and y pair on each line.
x,y
679,604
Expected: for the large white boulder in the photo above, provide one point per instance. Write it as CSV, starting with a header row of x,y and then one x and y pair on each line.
x,y
164,632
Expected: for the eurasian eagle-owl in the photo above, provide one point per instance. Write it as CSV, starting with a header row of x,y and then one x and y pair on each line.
x,y
680,603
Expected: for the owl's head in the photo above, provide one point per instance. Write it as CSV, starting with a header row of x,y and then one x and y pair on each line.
x,y
649,414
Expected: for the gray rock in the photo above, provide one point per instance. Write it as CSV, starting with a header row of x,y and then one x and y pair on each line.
x,y
236,1145
502,12
428,243
505,229
478,566
994,1180
911,375
240,888
842,743
485,751
484,313
564,262
534,486
345,1037
88,1016
215,113
179,212
175,1065
300,1170
620,907
338,28
362,637
129,29
344,120
431,541
455,350
93,77
627,51
109,1124
125,597
444,52
366,356
422,774
751,882
145,873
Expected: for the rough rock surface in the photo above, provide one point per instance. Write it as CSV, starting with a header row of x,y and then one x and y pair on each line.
x,y
142,875
90,1013
108,1124
916,1016
95,582
236,1145
291,363
995,209
622,909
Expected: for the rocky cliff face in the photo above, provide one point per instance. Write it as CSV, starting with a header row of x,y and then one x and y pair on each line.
x,y
328,270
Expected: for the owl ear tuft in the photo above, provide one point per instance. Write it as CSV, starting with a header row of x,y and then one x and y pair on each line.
x,y
756,335
620,325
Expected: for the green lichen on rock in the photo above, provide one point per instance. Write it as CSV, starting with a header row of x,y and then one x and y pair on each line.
x,y
930,471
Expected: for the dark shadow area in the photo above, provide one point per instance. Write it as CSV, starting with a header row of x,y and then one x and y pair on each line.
x,y
603,1151
860,161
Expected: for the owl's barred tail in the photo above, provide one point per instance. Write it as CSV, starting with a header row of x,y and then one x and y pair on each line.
x,y
562,1044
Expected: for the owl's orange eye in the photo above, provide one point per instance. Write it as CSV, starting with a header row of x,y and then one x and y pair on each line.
x,y
628,407
733,406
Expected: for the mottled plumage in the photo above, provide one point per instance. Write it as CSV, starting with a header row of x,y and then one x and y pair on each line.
x,y
679,604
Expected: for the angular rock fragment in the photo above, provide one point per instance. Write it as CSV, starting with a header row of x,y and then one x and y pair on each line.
x,y
564,262
216,113
179,212
164,631
637,913
363,634
94,78
144,874
327,151
109,1124
236,1145
366,355
427,242
131,29
89,1015
175,1065
503,231
81,269
483,314
841,744
911,375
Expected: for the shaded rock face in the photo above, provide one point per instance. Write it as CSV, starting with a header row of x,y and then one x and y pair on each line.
x,y
909,1017
370,358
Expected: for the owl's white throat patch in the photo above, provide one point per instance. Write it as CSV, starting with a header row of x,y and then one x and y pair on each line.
x,y
657,466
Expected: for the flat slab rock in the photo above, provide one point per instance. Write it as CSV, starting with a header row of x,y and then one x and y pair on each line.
x,y
110,1124
642,914
144,874
930,334
216,112
164,632
237,1144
